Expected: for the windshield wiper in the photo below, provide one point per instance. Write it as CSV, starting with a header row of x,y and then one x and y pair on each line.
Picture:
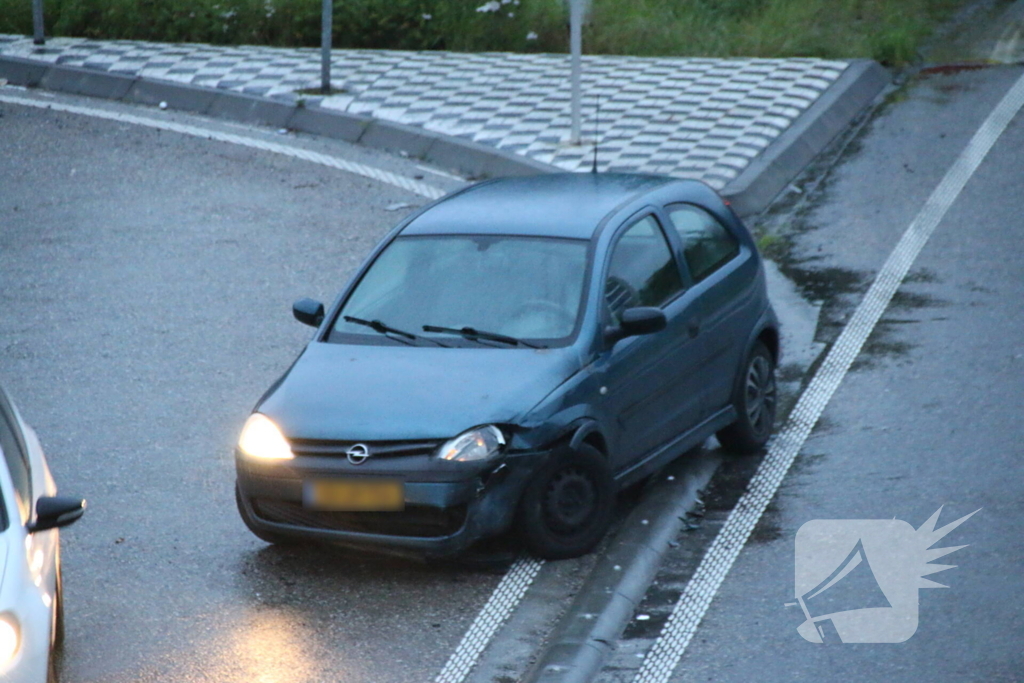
x,y
378,326
476,335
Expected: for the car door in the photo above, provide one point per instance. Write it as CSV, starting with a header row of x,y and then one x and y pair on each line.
x,y
651,384
724,275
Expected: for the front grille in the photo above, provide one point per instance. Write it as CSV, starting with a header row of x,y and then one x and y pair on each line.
x,y
378,449
416,520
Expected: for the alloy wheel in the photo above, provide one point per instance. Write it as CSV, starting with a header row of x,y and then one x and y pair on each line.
x,y
760,394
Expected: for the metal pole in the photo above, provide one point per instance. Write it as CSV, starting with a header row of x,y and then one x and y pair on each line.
x,y
326,26
37,23
576,49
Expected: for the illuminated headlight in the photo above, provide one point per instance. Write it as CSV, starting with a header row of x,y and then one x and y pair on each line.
x,y
10,640
262,439
476,444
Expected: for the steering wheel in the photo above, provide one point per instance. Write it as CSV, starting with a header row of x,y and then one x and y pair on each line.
x,y
620,295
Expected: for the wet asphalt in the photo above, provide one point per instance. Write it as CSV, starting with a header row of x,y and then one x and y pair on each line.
x,y
146,282
145,289
929,415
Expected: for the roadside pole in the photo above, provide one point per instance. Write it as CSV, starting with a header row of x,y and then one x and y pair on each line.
x,y
576,49
37,23
326,26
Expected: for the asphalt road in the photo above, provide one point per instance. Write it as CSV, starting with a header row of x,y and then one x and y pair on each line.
x,y
145,286
929,416
146,282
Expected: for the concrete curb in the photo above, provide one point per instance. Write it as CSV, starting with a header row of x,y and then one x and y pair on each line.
x,y
464,156
587,633
787,155
750,193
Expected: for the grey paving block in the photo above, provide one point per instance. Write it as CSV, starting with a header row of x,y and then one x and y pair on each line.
x,y
178,96
25,72
511,106
333,124
80,81
250,109
396,137
465,157
794,148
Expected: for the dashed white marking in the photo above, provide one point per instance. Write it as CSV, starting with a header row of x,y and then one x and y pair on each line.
x,y
408,184
701,589
503,600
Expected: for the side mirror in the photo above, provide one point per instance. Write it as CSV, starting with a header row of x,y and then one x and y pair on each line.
x,y
52,513
636,321
308,311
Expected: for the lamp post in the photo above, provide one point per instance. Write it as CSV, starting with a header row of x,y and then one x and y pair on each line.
x,y
576,50
326,26
577,14
37,23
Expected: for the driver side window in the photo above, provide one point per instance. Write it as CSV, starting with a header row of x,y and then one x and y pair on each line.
x,y
642,271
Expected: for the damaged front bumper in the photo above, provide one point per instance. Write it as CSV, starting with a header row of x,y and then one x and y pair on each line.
x,y
446,508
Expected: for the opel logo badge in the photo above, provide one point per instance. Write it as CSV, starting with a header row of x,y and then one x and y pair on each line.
x,y
358,454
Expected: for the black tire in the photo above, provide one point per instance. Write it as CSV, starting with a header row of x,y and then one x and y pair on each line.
x,y
567,507
262,534
756,400
58,611
52,669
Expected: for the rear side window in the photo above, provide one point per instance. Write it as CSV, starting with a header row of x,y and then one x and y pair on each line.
x,y
15,460
707,245
642,271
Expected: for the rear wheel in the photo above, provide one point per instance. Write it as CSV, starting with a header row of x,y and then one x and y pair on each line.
x,y
755,401
52,669
568,506
262,534
58,611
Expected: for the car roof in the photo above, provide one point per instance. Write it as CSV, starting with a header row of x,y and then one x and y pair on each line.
x,y
551,205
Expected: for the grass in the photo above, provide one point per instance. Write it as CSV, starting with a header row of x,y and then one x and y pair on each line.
x,y
887,30
772,246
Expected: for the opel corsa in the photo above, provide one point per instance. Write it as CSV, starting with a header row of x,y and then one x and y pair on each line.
x,y
509,357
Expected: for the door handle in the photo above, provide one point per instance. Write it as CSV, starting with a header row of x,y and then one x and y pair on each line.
x,y
693,328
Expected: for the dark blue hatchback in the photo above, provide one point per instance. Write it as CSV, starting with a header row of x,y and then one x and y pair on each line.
x,y
509,358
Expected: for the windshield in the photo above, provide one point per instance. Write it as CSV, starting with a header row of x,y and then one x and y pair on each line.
x,y
521,287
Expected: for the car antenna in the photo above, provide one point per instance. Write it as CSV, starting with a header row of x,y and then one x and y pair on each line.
x,y
597,132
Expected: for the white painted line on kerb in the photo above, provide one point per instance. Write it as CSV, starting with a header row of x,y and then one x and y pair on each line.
x,y
503,600
408,184
689,611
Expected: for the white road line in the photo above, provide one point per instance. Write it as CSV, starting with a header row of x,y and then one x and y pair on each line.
x,y
693,604
450,176
408,184
503,600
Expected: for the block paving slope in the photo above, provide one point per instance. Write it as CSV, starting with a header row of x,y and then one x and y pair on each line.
x,y
691,118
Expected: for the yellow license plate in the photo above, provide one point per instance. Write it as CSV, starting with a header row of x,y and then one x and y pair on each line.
x,y
354,495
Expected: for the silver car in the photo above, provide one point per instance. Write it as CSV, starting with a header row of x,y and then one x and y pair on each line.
x,y
31,620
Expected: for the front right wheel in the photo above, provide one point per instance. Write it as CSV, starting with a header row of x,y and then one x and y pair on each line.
x,y
755,399
567,507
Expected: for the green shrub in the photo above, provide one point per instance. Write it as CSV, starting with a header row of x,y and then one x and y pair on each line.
x,y
887,30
